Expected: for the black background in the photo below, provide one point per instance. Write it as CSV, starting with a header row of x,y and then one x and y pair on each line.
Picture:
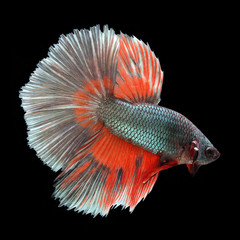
x,y
191,50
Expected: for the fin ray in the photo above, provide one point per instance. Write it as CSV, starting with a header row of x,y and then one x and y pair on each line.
x,y
64,92
139,78
107,175
61,101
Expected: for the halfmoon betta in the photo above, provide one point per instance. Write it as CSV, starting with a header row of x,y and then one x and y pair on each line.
x,y
92,112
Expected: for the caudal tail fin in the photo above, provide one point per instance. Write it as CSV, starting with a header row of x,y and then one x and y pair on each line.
x,y
64,92
61,101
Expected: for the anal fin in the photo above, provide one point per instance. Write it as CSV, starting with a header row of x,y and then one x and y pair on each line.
x,y
108,172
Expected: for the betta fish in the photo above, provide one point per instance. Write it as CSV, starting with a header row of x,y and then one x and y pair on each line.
x,y
91,108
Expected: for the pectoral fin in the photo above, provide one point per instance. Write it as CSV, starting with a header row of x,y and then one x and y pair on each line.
x,y
164,163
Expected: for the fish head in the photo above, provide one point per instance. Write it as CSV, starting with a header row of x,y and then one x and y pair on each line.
x,y
200,151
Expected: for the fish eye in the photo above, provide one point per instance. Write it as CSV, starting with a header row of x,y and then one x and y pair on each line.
x,y
211,152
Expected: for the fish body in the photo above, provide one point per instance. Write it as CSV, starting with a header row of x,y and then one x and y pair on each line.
x,y
151,127
92,112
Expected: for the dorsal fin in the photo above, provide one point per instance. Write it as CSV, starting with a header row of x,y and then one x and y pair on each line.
x,y
139,75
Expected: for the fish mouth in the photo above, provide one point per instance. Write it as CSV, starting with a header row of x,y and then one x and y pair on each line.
x,y
212,155
217,155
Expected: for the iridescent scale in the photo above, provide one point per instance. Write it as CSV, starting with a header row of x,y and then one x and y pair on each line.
x,y
154,128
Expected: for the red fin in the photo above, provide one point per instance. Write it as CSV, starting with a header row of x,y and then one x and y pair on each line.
x,y
106,172
139,77
163,163
193,168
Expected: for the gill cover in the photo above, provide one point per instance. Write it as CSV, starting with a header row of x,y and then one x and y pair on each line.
x,y
194,153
